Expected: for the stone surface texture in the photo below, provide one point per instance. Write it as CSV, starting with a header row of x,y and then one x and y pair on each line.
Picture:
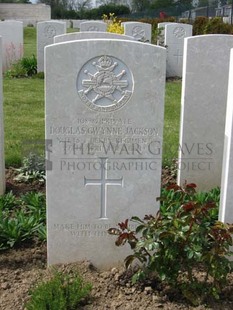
x,y
140,31
93,26
174,42
104,123
226,201
203,109
90,35
46,31
161,37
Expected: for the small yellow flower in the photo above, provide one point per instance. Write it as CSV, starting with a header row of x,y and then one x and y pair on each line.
x,y
113,25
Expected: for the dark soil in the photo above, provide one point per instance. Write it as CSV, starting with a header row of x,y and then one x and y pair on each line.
x,y
22,268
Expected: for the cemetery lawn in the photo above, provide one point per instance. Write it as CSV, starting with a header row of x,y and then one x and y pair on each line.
x,y
23,116
29,41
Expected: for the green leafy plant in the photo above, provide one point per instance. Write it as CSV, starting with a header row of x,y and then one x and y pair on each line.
x,y
181,239
22,219
33,169
216,25
62,292
25,67
7,201
29,64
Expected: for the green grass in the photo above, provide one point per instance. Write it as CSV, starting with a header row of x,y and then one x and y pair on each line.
x,y
24,112
24,115
29,41
171,121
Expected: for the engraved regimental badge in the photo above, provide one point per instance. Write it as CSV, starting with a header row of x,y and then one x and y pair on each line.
x,y
105,84
50,31
138,33
179,32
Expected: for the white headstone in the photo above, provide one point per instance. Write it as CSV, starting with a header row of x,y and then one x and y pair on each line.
x,y
161,30
174,42
226,201
93,26
203,109
46,31
104,122
11,32
2,161
68,22
90,35
76,23
140,31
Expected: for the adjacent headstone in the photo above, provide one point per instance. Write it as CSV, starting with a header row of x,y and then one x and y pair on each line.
x,y
76,23
203,109
105,159
161,32
140,31
2,161
90,35
11,32
226,201
93,26
68,22
46,31
174,42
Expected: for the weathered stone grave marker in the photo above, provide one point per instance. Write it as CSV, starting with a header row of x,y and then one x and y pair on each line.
x,y
46,31
174,42
140,31
2,161
93,26
90,35
161,36
203,109
11,32
106,161
226,201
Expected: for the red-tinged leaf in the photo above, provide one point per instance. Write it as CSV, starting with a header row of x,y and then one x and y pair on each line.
x,y
119,241
191,185
122,239
114,231
124,225
131,236
210,205
175,187
189,206
226,236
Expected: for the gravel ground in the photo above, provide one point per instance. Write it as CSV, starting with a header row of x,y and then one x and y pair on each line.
x,y
23,267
